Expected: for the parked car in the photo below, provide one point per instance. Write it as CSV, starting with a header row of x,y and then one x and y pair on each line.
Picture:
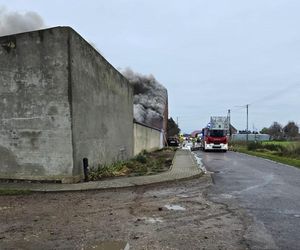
x,y
173,141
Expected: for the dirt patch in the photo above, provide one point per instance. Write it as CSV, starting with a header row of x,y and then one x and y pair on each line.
x,y
139,216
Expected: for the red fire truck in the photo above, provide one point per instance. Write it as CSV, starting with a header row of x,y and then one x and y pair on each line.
x,y
214,135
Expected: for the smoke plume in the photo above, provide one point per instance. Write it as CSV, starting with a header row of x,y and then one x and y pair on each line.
x,y
150,98
15,22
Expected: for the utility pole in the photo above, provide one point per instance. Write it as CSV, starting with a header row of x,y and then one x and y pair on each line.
x,y
247,123
229,122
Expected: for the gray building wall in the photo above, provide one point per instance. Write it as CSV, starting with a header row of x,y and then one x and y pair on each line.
x,y
102,107
146,138
35,122
60,101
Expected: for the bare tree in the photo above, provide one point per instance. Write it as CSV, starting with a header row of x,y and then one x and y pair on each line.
x,y
291,130
276,131
172,128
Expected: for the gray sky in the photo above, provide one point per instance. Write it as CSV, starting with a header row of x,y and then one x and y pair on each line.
x,y
211,55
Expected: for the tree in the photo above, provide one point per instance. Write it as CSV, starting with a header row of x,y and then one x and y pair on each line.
x,y
291,130
264,131
172,128
275,131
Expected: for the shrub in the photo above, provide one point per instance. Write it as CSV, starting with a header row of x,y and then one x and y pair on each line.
x,y
104,170
254,145
141,158
297,150
274,147
291,150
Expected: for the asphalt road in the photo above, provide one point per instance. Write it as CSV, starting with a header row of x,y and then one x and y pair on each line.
x,y
267,192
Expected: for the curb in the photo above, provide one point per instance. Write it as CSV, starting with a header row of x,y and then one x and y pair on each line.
x,y
175,173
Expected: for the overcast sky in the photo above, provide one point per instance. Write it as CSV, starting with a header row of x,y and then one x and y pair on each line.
x,y
211,55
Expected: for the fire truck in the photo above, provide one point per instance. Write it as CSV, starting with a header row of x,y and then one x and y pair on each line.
x,y
215,134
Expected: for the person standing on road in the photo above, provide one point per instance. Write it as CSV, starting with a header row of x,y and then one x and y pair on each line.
x,y
193,141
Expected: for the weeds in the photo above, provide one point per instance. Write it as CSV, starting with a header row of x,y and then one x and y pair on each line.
x,y
288,153
145,163
254,145
141,158
14,192
291,150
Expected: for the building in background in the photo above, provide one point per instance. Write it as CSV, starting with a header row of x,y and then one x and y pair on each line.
x,y
150,111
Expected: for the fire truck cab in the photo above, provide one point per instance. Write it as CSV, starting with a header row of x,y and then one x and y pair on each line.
x,y
214,139
214,136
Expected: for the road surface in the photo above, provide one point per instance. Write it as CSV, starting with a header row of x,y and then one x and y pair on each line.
x,y
267,192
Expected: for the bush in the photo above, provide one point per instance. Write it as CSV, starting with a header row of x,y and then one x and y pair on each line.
x,y
259,146
274,147
291,150
141,158
254,145
297,150
102,171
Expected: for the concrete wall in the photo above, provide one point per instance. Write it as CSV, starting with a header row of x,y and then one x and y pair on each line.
x,y
102,110
60,101
146,138
35,122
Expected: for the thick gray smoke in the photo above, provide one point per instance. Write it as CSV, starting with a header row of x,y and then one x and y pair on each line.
x,y
150,98
14,22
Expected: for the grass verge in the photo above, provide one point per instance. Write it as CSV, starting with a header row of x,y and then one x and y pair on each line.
x,y
14,192
271,155
145,163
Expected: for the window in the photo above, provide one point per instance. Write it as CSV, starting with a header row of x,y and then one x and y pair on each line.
x,y
217,133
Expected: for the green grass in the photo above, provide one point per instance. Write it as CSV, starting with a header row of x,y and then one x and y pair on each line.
x,y
292,160
14,192
283,143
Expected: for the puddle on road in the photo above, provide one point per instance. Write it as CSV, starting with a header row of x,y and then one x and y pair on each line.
x,y
199,162
152,220
182,195
226,196
109,245
175,207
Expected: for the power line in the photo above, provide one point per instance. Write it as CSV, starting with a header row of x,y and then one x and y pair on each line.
x,y
240,107
268,97
277,93
265,98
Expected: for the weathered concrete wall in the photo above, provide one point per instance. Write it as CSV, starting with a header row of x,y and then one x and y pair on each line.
x,y
60,101
102,110
146,138
35,122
